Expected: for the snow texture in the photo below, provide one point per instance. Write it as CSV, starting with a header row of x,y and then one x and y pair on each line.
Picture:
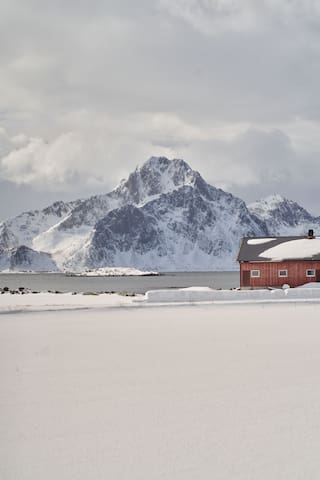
x,y
219,392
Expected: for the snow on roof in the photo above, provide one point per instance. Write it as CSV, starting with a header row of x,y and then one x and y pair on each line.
x,y
258,241
293,249
279,249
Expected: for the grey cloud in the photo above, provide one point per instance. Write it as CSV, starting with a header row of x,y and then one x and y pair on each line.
x,y
221,83
258,163
251,164
108,58
15,199
211,17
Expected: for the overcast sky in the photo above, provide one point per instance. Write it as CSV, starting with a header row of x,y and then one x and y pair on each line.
x,y
89,89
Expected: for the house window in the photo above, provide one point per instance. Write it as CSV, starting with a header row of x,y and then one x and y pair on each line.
x,y
255,273
282,273
310,273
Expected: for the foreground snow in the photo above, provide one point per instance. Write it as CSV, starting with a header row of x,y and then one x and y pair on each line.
x,y
217,392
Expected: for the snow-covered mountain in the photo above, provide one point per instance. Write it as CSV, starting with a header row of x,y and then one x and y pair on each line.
x,y
283,217
163,217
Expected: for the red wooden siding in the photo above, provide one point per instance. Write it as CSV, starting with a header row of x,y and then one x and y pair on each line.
x,y
269,273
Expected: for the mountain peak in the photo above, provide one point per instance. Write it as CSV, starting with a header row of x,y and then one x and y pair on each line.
x,y
156,176
163,163
275,198
159,166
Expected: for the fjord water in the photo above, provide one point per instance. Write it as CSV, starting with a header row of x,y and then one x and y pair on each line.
x,y
140,284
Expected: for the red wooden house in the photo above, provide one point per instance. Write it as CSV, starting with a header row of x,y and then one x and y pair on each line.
x,y
273,262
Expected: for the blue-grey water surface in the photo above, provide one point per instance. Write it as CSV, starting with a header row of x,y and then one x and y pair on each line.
x,y
140,284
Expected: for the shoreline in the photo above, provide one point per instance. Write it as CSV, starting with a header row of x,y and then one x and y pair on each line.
x,y
26,301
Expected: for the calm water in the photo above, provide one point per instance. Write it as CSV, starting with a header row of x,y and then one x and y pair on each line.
x,y
62,283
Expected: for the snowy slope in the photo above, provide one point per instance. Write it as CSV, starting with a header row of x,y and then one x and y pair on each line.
x,y
21,230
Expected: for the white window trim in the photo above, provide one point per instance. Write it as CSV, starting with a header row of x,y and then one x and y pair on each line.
x,y
310,270
255,276
283,270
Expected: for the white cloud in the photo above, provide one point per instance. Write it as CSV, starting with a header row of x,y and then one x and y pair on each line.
x,y
8,143
101,149
247,161
96,155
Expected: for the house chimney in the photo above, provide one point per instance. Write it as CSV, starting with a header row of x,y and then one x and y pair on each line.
x,y
310,234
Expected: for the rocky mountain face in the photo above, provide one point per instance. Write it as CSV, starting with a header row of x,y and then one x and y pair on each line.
x,y
25,259
193,227
163,217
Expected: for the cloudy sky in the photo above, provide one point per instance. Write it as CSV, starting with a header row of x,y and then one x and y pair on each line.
x,y
91,88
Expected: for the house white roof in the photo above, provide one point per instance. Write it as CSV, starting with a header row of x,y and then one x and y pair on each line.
x,y
279,249
293,249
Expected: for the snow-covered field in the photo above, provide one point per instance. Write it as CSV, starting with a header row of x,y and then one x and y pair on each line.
x,y
179,392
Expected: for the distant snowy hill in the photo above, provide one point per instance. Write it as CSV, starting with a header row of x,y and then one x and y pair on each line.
x,y
163,217
284,217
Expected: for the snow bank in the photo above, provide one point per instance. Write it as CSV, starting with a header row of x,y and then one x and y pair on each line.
x,y
62,301
310,285
19,272
204,294
302,294
112,272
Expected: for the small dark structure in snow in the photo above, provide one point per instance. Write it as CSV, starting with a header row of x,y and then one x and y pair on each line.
x,y
273,262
